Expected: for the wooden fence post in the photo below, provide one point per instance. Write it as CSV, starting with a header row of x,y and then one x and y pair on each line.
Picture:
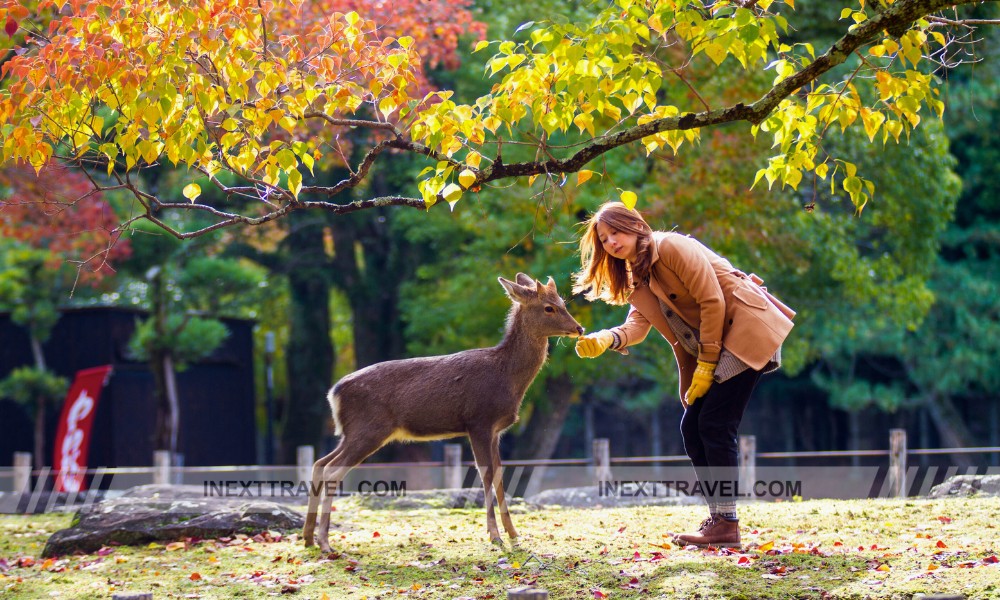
x,y
602,460
897,463
305,456
22,472
748,463
527,593
453,466
161,467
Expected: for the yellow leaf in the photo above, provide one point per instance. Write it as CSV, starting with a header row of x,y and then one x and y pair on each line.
x,y
466,178
766,546
716,52
191,192
473,159
883,568
821,170
294,182
583,176
629,199
452,193
175,545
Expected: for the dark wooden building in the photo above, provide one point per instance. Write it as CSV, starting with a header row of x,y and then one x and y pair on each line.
x,y
217,424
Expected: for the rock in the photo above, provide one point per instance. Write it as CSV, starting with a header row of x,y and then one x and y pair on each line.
x,y
967,485
591,497
442,498
156,516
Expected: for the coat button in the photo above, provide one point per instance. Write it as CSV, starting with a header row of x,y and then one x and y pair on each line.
x,y
687,336
673,296
670,314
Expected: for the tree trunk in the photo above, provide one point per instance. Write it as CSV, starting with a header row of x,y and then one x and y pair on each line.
x,y
952,429
161,433
39,356
39,459
538,442
370,265
173,404
310,354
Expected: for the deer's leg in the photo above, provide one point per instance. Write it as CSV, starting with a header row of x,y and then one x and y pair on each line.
x,y
316,493
351,455
508,525
481,449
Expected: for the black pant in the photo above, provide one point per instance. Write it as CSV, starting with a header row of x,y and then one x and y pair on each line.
x,y
709,429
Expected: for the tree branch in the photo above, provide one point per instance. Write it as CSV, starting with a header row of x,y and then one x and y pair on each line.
x,y
898,17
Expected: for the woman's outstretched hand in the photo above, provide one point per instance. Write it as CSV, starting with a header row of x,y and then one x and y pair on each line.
x,y
700,382
594,344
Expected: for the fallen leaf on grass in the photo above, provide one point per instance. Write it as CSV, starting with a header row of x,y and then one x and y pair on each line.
x,y
766,546
195,576
941,544
944,520
174,546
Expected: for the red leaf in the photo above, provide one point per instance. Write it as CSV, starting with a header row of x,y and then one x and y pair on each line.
x,y
743,561
941,544
10,27
599,594
990,560
622,528
195,576
376,534
945,520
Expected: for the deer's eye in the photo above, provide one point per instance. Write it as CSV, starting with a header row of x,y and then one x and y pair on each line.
x,y
549,309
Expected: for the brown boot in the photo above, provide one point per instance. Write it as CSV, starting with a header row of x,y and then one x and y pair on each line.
x,y
714,531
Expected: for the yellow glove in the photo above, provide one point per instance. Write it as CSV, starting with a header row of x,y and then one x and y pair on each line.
x,y
594,344
700,382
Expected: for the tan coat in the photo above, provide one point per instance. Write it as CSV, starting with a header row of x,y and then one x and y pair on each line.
x,y
726,306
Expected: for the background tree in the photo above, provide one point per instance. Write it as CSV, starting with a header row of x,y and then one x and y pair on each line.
x,y
48,243
185,295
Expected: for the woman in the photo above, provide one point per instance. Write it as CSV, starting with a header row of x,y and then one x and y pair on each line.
x,y
725,331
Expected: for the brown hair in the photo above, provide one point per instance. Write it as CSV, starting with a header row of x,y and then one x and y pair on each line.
x,y
602,276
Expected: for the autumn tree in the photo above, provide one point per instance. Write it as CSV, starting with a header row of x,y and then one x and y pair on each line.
x,y
115,88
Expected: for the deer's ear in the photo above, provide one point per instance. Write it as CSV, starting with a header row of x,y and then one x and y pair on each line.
x,y
525,280
550,285
517,292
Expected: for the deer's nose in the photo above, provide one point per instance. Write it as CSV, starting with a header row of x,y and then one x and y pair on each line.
x,y
580,329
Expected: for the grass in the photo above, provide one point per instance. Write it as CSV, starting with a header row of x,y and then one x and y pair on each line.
x,y
864,549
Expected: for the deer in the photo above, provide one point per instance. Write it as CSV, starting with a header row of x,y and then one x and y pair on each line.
x,y
475,393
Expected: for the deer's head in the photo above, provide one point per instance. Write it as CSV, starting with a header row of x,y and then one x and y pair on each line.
x,y
541,308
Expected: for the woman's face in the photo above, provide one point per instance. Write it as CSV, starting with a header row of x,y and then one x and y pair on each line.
x,y
618,244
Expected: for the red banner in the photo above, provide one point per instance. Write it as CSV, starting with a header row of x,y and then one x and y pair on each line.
x,y
73,435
